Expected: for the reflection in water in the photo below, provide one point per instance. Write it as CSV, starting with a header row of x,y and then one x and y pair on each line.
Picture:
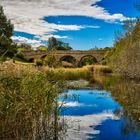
x,y
127,94
102,115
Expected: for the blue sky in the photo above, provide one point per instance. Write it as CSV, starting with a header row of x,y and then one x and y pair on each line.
x,y
89,37
83,24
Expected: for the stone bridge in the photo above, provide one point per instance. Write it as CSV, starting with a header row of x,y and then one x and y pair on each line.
x,y
60,56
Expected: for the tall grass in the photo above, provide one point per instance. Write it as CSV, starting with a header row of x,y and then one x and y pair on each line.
x,y
88,73
28,103
98,69
70,73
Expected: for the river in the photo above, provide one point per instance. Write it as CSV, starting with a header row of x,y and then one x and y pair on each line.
x,y
111,113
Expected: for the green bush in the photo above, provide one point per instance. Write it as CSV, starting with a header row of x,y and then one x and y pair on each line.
x,y
2,59
125,58
19,55
88,60
38,62
50,61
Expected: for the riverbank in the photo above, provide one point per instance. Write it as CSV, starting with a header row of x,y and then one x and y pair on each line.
x,y
85,77
86,72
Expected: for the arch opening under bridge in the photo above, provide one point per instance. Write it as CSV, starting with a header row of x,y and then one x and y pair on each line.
x,y
69,60
87,60
43,56
31,60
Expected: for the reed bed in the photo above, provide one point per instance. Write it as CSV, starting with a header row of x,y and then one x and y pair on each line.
x,y
69,73
28,104
98,69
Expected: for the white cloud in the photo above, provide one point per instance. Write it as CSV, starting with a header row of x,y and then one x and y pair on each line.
x,y
95,27
27,15
20,39
76,104
46,37
37,41
80,126
71,104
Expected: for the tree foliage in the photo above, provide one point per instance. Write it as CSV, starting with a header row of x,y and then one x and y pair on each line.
x,y
50,61
7,47
54,44
125,56
88,60
42,48
24,47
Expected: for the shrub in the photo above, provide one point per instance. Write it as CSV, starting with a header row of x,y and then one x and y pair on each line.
x,y
19,55
125,57
2,59
50,61
38,62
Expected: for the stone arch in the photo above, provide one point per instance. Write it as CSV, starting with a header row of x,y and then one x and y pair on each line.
x,y
31,60
68,59
92,59
43,56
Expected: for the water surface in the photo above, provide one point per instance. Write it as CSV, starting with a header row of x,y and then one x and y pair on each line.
x,y
100,115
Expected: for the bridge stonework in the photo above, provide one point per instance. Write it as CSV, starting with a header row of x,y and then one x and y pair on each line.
x,y
59,55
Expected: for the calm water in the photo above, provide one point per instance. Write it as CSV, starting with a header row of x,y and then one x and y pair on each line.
x,y
102,114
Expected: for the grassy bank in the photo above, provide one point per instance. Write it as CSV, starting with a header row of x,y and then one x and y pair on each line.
x,y
124,57
85,73
98,69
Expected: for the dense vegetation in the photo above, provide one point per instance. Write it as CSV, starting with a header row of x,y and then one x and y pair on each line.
x,y
7,47
125,55
126,93
24,47
88,60
28,104
53,43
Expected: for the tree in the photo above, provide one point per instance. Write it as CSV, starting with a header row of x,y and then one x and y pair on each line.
x,y
52,43
50,61
55,44
63,46
42,48
125,55
88,60
7,47
128,25
94,48
24,47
